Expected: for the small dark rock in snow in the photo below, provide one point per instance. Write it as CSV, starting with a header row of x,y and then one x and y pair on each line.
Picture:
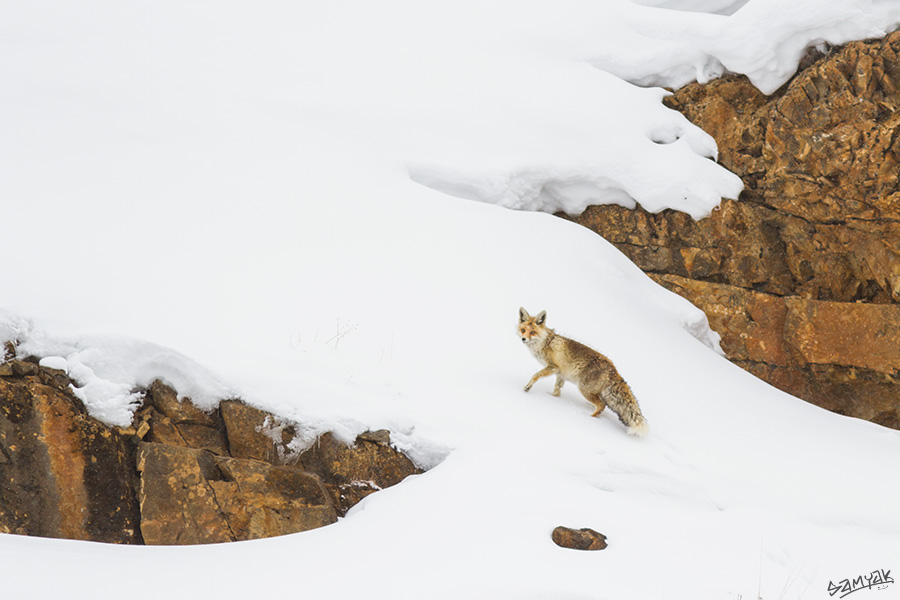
x,y
579,539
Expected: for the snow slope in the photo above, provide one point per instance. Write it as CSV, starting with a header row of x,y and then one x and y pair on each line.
x,y
275,200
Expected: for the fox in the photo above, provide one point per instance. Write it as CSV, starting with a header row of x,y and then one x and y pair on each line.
x,y
594,374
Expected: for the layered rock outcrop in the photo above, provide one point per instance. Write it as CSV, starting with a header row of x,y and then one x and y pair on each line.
x,y
178,475
801,275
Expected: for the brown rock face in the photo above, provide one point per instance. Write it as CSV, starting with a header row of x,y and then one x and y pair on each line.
x,y
178,475
834,354
801,276
578,539
178,504
191,496
180,423
62,473
261,500
353,472
246,428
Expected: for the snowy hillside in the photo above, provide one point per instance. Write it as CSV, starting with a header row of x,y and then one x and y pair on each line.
x,y
307,205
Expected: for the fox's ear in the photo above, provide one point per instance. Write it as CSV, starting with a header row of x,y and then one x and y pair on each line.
x,y
523,315
541,317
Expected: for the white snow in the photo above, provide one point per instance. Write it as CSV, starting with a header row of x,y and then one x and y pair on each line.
x,y
110,370
720,7
273,201
762,39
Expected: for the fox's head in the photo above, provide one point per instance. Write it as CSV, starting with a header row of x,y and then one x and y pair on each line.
x,y
532,328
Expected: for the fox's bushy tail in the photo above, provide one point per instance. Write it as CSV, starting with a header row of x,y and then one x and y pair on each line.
x,y
622,402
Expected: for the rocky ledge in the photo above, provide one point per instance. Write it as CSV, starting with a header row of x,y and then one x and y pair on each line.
x,y
801,276
178,475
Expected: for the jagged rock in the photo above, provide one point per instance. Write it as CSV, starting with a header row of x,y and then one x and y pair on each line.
x,y
21,368
350,473
845,390
820,161
178,504
63,474
785,331
203,437
751,323
166,401
178,422
819,220
161,429
158,428
261,500
833,333
380,436
191,496
838,356
578,539
247,430
353,472
55,378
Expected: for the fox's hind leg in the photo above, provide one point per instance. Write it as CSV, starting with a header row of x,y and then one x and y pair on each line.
x,y
558,387
596,400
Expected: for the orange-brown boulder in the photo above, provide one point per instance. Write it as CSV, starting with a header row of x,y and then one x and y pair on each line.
x,y
63,474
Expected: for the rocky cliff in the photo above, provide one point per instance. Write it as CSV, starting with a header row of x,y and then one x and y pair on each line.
x,y
801,275
178,475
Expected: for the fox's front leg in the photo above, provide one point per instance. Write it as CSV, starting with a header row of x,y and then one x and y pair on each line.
x,y
545,372
558,387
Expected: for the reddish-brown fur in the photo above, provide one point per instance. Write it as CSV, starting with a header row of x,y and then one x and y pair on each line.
x,y
594,374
